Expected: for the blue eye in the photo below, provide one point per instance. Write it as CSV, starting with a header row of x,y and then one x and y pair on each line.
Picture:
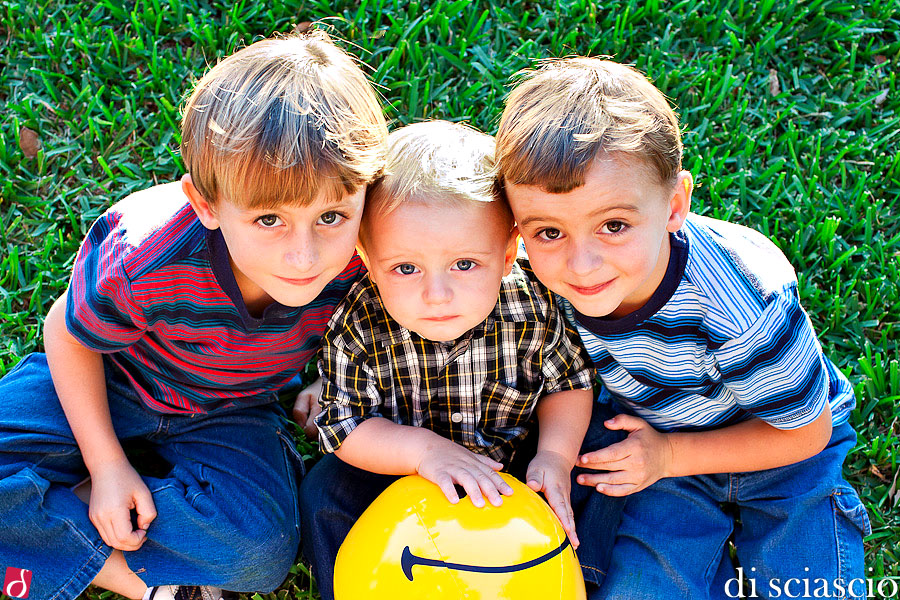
x,y
464,265
406,269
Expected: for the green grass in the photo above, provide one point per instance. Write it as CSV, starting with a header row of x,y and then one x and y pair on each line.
x,y
791,117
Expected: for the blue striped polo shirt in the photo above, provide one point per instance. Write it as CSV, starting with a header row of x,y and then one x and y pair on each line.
x,y
723,338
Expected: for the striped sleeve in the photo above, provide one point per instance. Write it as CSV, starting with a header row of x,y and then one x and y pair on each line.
x,y
776,369
101,312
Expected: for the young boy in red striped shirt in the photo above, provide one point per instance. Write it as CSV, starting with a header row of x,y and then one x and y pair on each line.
x,y
190,305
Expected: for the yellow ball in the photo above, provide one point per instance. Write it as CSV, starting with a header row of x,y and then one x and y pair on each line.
x,y
412,543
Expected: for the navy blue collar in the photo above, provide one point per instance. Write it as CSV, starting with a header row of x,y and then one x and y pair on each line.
x,y
678,257
220,262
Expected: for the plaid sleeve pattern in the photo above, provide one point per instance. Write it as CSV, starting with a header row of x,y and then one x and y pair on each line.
x,y
479,390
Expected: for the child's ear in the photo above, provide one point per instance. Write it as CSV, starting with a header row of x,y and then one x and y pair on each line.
x,y
512,250
204,210
680,203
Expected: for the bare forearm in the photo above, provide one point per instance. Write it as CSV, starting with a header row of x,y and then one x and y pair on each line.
x,y
563,419
79,380
752,445
382,446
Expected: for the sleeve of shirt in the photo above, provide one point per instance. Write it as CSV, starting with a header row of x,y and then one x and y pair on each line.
x,y
565,365
100,310
776,368
349,391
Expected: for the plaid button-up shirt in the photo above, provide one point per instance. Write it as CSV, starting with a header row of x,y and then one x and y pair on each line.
x,y
479,390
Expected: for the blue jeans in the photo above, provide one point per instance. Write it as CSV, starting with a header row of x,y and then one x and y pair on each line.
x,y
334,494
802,522
227,510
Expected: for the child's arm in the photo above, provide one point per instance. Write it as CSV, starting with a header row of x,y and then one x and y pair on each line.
x,y
382,446
648,455
563,419
116,487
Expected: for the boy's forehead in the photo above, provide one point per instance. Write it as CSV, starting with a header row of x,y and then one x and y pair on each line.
x,y
610,185
325,199
469,224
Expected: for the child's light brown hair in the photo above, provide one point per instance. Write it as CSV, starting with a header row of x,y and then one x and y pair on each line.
x,y
435,162
568,112
283,121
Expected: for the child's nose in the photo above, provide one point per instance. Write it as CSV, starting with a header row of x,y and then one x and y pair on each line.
x,y
303,253
437,290
584,259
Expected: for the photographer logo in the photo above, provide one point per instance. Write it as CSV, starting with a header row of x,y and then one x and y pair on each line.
x,y
17,582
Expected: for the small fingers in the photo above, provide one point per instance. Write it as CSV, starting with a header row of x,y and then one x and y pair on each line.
x,y
124,537
489,488
145,507
617,490
309,428
445,482
301,408
605,456
101,525
489,462
470,484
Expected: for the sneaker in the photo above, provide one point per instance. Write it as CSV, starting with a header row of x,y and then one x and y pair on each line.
x,y
187,592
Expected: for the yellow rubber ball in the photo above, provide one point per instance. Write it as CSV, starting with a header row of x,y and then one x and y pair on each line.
x,y
411,543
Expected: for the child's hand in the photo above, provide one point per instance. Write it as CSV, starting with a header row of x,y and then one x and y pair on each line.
x,y
550,472
115,490
643,458
446,463
306,407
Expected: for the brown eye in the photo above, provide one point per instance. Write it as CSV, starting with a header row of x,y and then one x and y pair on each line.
x,y
268,220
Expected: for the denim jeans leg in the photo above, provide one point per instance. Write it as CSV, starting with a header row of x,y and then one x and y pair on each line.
x,y
227,510
332,497
672,542
803,522
45,527
596,516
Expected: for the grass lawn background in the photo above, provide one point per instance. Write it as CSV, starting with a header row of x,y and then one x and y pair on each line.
x,y
790,112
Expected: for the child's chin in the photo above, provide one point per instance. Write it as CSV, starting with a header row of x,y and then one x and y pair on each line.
x,y
593,309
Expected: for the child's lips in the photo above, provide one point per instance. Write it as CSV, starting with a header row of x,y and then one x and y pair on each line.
x,y
298,282
441,319
591,290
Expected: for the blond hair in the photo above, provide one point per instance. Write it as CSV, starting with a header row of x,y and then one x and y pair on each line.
x,y
435,162
568,112
283,121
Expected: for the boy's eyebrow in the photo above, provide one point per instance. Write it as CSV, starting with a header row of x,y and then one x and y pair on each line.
x,y
535,218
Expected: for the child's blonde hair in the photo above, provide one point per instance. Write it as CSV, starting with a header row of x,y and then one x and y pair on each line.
x,y
435,162
570,111
283,121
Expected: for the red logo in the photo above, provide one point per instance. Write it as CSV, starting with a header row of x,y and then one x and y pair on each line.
x,y
17,582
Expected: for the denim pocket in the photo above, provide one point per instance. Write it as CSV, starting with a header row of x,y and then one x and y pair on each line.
x,y
848,505
295,469
851,524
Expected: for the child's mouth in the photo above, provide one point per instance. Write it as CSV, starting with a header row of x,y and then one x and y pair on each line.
x,y
594,289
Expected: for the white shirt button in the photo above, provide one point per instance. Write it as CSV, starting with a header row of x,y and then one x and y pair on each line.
x,y
456,417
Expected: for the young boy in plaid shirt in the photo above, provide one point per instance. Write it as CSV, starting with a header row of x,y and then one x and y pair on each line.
x,y
424,369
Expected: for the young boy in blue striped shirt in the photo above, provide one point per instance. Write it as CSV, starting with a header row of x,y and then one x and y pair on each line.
x,y
737,424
